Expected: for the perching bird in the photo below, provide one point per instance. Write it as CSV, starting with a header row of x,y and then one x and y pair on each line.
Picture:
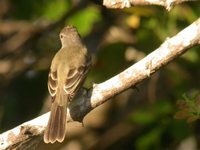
x,y
67,73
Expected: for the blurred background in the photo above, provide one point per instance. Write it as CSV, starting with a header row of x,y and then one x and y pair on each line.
x,y
160,114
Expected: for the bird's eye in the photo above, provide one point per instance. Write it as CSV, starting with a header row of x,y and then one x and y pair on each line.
x,y
61,36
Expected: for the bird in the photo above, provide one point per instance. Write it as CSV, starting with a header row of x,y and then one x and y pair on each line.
x,y
66,76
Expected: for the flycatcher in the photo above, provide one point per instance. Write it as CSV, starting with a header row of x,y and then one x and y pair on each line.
x,y
67,73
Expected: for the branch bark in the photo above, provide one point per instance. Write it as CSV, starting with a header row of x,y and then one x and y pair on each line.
x,y
168,4
29,134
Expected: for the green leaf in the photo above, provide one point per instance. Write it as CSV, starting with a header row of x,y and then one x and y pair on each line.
x,y
143,117
149,140
85,19
55,9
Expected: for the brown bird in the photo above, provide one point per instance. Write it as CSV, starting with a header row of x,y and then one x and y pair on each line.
x,y
67,73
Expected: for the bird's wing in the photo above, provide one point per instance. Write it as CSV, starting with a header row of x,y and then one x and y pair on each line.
x,y
52,83
74,80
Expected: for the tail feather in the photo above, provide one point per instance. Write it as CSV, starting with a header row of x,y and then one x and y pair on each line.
x,y
55,130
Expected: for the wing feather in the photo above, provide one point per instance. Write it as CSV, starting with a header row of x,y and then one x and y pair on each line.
x,y
52,83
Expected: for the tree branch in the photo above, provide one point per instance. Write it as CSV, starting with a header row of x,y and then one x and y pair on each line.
x,y
29,134
168,4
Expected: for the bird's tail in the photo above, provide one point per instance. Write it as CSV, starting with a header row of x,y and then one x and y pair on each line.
x,y
55,130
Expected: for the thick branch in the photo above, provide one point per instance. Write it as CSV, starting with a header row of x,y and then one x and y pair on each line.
x,y
30,133
168,4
